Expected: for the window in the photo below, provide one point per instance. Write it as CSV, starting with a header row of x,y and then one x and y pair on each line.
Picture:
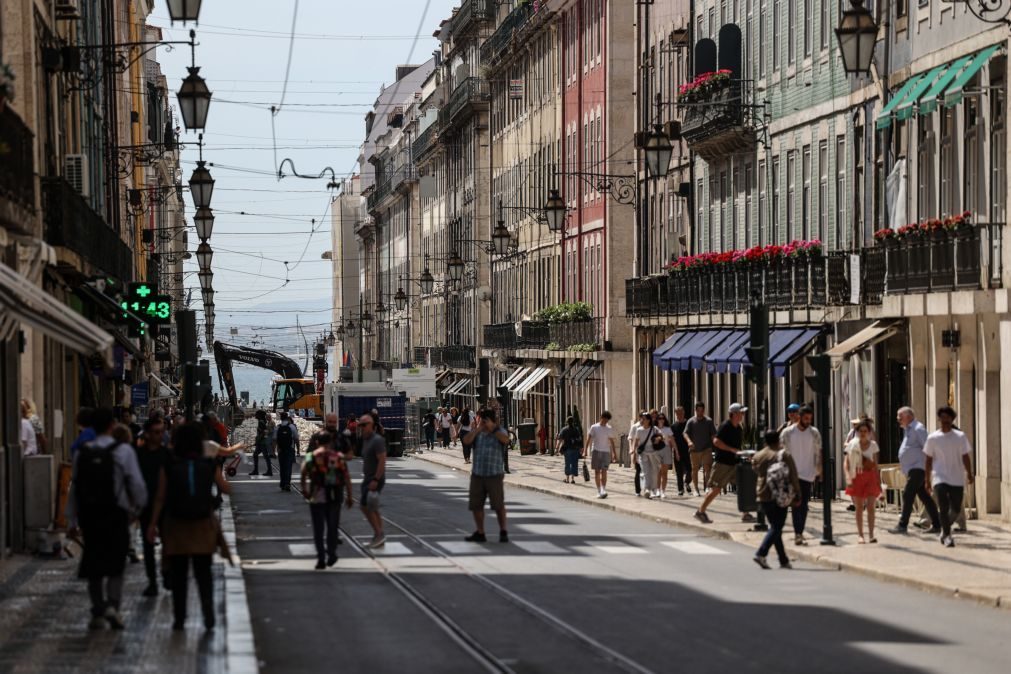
x,y
761,40
713,215
735,217
926,205
822,233
749,184
791,31
699,215
949,166
774,233
724,204
998,154
858,183
808,25
840,190
762,181
973,172
775,34
823,29
791,195
806,196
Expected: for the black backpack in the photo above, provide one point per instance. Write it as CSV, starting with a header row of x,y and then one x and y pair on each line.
x,y
189,489
285,436
95,485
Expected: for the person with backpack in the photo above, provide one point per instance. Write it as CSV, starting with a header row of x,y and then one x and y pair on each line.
x,y
428,424
649,454
286,439
263,444
324,476
153,457
189,530
568,442
466,421
107,491
778,489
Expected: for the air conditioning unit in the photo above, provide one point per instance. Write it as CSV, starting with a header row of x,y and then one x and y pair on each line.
x,y
75,172
68,9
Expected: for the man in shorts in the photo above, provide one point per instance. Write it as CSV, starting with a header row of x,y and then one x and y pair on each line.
x,y
728,442
373,476
487,474
600,442
699,433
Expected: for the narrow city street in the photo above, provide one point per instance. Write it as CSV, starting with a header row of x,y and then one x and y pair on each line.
x,y
577,588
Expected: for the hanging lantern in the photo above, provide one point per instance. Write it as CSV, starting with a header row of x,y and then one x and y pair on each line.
x,y
194,100
555,211
203,220
201,186
184,10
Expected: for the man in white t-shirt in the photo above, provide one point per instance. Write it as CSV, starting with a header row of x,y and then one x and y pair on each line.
x,y
600,440
29,444
445,421
948,470
803,441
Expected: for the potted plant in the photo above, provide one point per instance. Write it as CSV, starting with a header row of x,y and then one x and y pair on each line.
x,y
886,236
6,85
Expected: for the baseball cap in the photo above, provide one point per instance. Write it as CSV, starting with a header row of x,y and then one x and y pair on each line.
x,y
737,407
792,407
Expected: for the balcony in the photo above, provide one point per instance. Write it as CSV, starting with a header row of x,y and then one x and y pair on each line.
x,y
719,119
460,356
71,223
801,283
500,336
470,96
426,141
586,335
380,191
968,258
471,11
403,176
17,167
495,47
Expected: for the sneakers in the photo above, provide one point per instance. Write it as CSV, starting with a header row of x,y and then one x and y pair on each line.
x,y
377,541
661,494
503,536
151,590
934,530
899,530
476,537
785,565
320,565
602,494
96,623
113,618
799,540
948,541
330,561
761,561
681,492
747,517
702,517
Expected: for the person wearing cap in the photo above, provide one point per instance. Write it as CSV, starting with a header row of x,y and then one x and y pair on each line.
x,y
803,441
792,417
728,442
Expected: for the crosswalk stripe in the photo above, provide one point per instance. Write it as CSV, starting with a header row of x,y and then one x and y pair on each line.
x,y
464,548
618,549
540,547
302,549
694,548
392,550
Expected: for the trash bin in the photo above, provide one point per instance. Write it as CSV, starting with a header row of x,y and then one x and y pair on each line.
x,y
747,483
394,442
527,434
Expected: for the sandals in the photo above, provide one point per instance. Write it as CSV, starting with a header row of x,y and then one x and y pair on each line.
x,y
861,540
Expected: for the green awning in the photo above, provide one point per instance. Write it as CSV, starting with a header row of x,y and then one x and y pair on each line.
x,y
954,93
928,102
905,109
885,116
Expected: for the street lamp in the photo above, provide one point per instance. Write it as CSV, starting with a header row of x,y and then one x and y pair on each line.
x,y
184,10
206,279
207,295
400,298
194,100
352,329
659,151
555,210
201,185
427,281
455,267
331,339
203,220
381,310
857,34
204,256
366,321
500,238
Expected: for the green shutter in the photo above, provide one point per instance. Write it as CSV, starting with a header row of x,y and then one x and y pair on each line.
x,y
954,93
905,109
884,119
928,102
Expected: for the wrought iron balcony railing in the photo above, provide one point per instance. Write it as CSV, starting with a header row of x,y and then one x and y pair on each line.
x,y
496,45
721,119
71,223
426,141
501,336
460,356
469,12
17,163
544,335
469,96
964,259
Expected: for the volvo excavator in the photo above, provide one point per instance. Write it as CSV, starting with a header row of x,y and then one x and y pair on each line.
x,y
292,391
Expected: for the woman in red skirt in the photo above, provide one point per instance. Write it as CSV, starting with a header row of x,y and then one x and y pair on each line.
x,y
863,482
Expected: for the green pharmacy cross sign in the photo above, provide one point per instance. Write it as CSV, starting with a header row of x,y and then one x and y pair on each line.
x,y
142,301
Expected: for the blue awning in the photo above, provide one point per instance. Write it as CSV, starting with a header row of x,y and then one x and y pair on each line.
x,y
669,343
679,357
717,361
698,358
794,350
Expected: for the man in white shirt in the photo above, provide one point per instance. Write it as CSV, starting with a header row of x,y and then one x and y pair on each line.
x,y
600,440
803,441
29,444
445,420
948,470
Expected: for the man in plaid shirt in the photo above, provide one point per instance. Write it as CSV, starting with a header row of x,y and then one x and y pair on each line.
x,y
487,473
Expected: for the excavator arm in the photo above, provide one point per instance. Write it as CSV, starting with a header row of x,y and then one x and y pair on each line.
x,y
225,354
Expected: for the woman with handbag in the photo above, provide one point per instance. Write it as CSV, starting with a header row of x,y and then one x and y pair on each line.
x,y
648,441
666,453
863,482
569,444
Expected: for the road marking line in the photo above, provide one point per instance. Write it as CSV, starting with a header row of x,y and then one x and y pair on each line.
x,y
464,548
694,548
302,549
392,550
617,549
540,547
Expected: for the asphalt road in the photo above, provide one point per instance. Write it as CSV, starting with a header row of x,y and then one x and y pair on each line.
x,y
579,588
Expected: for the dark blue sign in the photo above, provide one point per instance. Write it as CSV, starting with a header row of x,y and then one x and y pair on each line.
x,y
138,395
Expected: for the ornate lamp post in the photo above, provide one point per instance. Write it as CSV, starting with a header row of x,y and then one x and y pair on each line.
x,y
857,33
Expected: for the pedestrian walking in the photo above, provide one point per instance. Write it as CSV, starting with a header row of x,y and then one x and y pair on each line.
x,y
792,417
373,477
153,457
454,415
948,470
699,433
263,443
33,433
428,423
487,475
648,454
85,430
913,463
465,424
682,456
803,441
445,426
602,447
666,452
633,447
324,477
862,479
107,491
189,530
728,442
569,443
286,439
778,487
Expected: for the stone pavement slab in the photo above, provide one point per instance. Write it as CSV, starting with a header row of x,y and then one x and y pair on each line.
x,y
44,613
978,568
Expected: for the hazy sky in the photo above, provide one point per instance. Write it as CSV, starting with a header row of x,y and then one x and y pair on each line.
x,y
343,53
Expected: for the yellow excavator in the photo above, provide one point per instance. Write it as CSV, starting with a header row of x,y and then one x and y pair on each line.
x,y
291,392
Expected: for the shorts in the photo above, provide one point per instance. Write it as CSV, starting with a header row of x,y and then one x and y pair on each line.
x,y
489,488
667,456
374,505
600,460
722,475
700,459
